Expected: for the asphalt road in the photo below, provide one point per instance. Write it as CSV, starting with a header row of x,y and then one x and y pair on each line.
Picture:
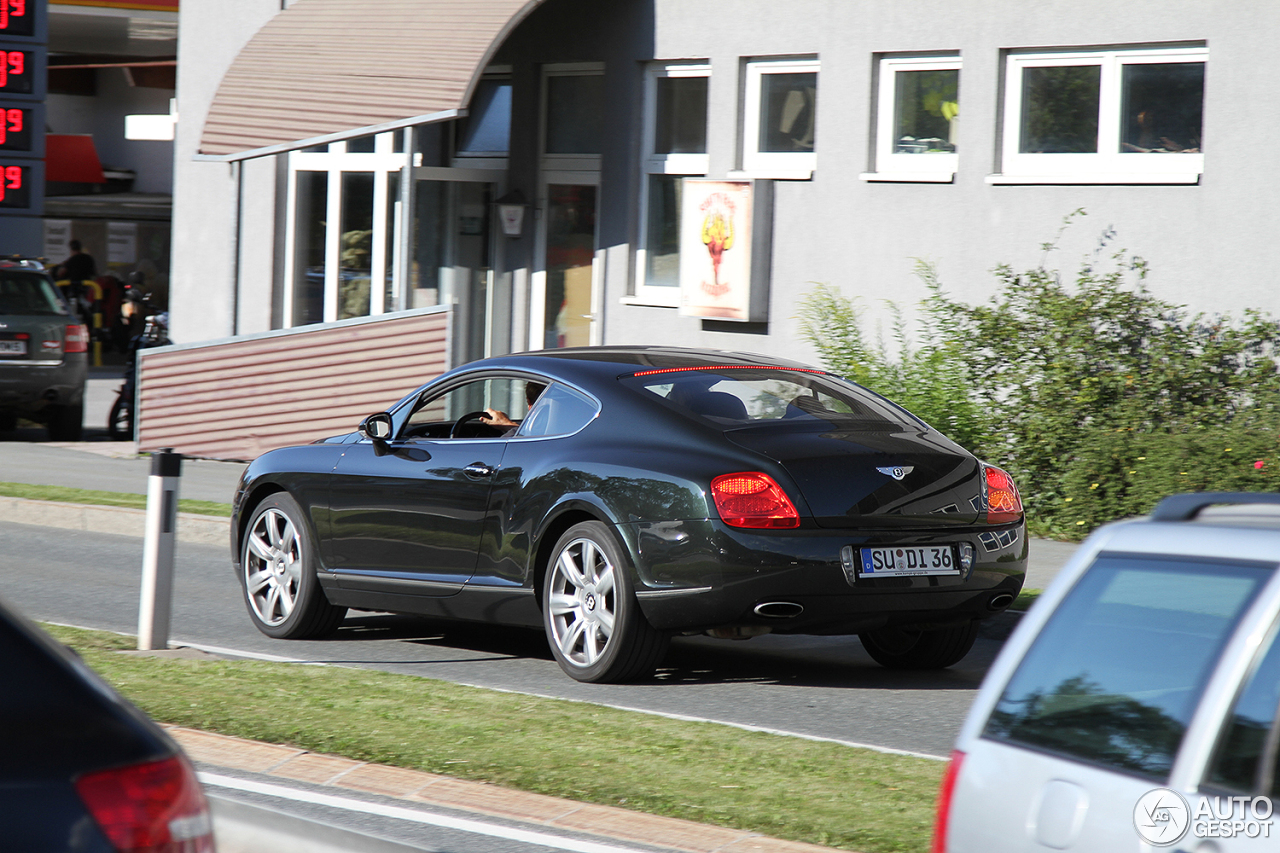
x,y
815,686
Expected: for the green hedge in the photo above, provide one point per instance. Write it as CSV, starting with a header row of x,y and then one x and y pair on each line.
x,y
1074,380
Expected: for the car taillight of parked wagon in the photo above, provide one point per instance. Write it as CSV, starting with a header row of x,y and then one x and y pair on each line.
x,y
752,499
1004,503
77,338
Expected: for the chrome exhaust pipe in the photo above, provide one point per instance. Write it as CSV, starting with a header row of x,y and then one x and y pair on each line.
x,y
1000,602
778,609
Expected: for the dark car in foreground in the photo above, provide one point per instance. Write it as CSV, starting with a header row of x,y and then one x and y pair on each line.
x,y
81,769
639,493
43,352
1137,705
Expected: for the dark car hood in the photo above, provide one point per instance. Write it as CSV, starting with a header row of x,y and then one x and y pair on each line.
x,y
836,471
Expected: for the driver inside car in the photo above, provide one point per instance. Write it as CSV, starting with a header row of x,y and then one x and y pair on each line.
x,y
498,418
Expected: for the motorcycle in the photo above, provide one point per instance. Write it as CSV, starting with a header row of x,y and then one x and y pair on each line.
x,y
155,333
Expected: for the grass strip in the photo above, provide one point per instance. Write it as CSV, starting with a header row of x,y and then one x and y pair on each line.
x,y
1025,599
820,793
89,496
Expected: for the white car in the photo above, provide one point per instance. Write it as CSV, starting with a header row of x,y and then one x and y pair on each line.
x,y
1135,707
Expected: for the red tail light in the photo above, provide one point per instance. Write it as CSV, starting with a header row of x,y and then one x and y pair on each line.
x,y
1004,504
944,802
77,338
752,499
156,807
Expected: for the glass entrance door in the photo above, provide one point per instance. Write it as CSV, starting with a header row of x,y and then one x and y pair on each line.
x,y
452,260
569,261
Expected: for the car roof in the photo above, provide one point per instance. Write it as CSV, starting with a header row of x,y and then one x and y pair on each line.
x,y
582,363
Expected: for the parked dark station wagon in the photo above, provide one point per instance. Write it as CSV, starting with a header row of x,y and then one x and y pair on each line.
x,y
43,352
617,496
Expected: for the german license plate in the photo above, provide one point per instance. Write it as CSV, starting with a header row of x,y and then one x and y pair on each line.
x,y
906,561
13,347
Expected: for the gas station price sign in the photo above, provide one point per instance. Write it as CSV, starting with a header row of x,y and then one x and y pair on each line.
x,y
18,17
21,128
17,70
17,183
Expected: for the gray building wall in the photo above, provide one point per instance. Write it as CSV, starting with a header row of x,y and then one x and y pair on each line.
x,y
1208,245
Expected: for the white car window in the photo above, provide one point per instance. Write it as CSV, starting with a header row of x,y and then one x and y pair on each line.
x,y
1116,673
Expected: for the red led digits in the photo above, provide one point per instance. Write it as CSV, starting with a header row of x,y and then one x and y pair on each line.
x,y
13,118
9,10
12,63
13,177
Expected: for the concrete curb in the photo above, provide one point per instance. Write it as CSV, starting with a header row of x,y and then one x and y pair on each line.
x,y
122,521
287,764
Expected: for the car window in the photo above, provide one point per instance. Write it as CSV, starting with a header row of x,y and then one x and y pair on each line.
x,y
559,411
749,396
1117,671
1249,746
29,293
437,416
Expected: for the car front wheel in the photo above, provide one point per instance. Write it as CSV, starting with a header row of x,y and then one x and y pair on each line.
x,y
901,648
589,609
278,575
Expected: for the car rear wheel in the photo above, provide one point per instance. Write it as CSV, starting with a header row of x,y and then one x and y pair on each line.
x,y
901,648
278,576
589,609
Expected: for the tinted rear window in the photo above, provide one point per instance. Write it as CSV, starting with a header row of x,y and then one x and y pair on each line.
x,y
751,396
28,293
1116,673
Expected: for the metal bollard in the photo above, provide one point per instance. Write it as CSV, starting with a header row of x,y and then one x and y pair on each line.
x,y
157,554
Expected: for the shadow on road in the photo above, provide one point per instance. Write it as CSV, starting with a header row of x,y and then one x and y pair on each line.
x,y
796,661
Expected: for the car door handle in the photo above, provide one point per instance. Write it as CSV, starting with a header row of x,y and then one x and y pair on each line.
x,y
478,469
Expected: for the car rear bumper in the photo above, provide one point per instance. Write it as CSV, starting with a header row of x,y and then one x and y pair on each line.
x,y
696,575
27,387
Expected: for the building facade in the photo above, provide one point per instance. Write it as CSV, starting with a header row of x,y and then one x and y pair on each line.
x,y
548,197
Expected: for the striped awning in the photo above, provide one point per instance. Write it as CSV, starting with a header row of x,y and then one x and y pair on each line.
x,y
324,70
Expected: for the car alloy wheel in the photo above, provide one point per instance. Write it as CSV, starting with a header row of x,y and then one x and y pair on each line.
x,y
278,574
583,601
273,567
591,615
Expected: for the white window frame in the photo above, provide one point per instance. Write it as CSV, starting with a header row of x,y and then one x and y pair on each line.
x,y
779,165
889,166
653,163
1109,165
336,161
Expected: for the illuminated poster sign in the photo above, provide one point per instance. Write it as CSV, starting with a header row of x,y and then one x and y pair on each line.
x,y
726,237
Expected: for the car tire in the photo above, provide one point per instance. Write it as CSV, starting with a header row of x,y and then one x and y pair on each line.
x,y
901,648
278,574
66,423
120,422
593,621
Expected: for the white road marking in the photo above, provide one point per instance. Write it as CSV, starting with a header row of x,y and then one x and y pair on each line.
x,y
412,815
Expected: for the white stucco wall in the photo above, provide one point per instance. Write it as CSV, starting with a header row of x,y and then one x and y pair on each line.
x,y
203,294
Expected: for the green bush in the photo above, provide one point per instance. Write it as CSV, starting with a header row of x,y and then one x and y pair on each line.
x,y
1124,473
1067,381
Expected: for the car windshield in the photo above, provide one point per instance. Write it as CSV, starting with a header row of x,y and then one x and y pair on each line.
x,y
1117,671
747,396
23,292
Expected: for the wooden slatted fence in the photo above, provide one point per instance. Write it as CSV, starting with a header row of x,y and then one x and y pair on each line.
x,y
239,397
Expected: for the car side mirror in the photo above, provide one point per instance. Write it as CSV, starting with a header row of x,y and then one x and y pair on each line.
x,y
376,427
